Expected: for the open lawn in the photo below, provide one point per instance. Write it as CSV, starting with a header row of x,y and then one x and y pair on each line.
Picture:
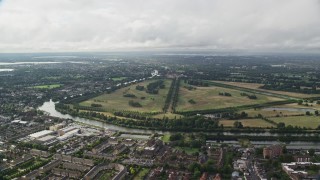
x,y
49,86
159,116
119,78
142,173
116,100
271,113
107,114
257,86
245,143
247,123
208,98
283,110
107,174
302,121
166,138
168,115
313,106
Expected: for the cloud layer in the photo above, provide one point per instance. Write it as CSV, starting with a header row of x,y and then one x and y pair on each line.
x,y
100,25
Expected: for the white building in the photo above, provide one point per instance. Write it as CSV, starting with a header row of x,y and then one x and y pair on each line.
x,y
66,130
154,73
40,134
68,135
56,127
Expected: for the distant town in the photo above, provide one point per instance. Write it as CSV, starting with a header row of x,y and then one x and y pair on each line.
x,y
153,117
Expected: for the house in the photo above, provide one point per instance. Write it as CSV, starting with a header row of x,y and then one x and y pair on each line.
x,y
204,176
302,158
272,151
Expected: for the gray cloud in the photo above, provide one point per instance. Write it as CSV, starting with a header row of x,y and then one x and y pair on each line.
x,y
98,25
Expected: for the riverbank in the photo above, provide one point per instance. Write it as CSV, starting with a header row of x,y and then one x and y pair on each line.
x,y
266,138
49,107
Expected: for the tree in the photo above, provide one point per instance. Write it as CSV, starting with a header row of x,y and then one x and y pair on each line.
x,y
286,158
196,173
237,124
244,114
281,125
132,171
308,113
176,137
193,166
316,113
209,166
173,158
311,152
259,151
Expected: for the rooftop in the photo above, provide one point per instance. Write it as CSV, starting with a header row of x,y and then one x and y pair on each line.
x,y
41,133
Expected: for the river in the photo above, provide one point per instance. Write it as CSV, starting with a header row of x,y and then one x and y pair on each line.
x,y
49,107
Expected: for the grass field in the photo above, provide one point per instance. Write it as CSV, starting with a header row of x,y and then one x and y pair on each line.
x,y
108,174
302,121
257,86
166,138
119,78
49,86
168,115
116,101
265,113
106,114
245,143
247,123
209,98
296,105
295,109
143,172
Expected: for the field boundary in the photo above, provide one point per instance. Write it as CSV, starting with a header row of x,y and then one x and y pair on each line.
x,y
235,108
251,90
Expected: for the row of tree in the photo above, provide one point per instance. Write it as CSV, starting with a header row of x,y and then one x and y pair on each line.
x,y
187,123
169,96
197,83
153,87
175,96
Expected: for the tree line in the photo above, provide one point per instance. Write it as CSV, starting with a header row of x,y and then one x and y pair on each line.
x,y
175,96
169,96
234,109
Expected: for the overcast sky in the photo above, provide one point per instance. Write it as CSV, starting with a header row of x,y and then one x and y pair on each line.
x,y
108,25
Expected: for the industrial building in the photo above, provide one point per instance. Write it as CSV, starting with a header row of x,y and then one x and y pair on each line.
x,y
41,134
